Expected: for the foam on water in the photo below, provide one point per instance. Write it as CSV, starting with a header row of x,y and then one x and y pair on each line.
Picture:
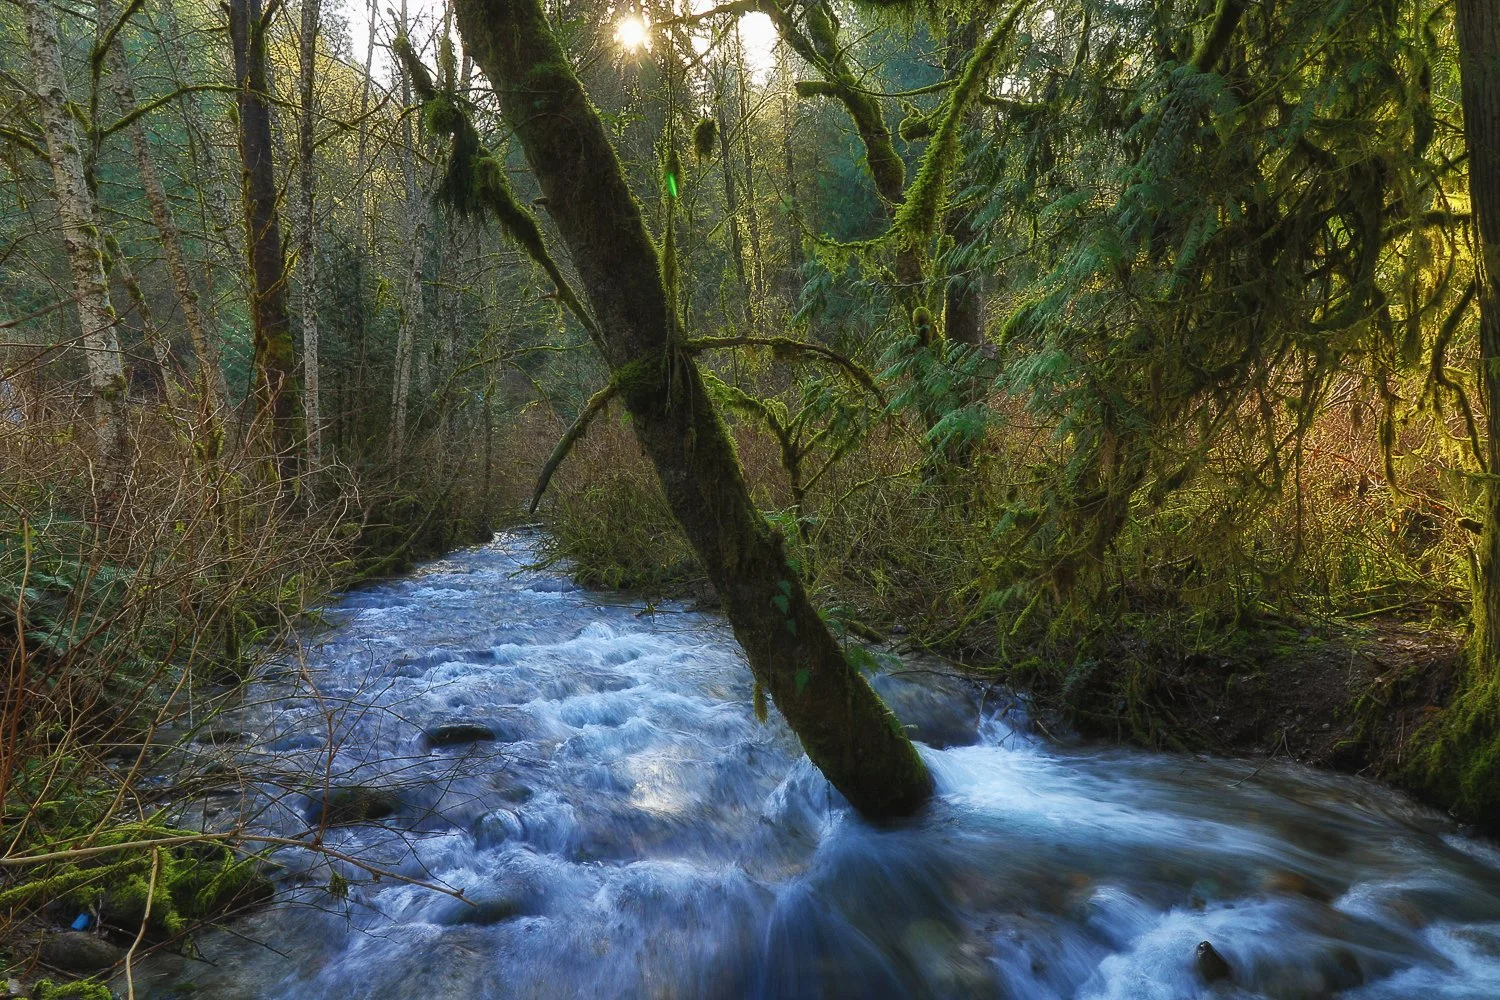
x,y
634,832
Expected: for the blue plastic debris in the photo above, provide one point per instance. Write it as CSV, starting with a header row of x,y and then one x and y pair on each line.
x,y
81,922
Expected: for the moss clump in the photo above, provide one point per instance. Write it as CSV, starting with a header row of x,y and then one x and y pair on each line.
x,y
82,989
192,883
705,134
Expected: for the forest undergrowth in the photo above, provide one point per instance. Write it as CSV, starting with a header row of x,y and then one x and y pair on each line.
x,y
133,609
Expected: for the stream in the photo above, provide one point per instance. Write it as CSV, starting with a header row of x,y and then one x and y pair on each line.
x,y
633,831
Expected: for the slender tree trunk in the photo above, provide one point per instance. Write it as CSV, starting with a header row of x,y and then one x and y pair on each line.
x,y
411,300
1479,50
752,212
209,173
361,209
843,726
211,375
307,241
962,312
82,241
795,258
273,392
732,199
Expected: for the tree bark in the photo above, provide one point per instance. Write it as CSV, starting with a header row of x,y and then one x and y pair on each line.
x,y
843,726
273,391
1479,56
211,375
307,236
83,242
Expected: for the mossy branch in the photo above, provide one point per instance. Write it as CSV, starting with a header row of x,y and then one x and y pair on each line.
x,y
1211,49
917,219
576,430
785,347
476,182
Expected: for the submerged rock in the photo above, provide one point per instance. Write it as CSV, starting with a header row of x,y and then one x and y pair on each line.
x,y
1211,965
452,734
349,804
79,951
935,707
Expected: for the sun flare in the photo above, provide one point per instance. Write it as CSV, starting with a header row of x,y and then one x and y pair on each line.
x,y
632,33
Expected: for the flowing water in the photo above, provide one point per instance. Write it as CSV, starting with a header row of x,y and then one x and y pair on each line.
x,y
633,831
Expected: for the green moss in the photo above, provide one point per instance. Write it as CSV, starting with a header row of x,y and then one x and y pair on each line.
x,y
1457,764
192,883
82,989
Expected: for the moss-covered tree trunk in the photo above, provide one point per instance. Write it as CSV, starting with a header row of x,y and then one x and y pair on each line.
x,y
1479,43
843,726
273,388
83,243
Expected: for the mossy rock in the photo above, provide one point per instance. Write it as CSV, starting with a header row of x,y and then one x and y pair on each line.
x,y
194,883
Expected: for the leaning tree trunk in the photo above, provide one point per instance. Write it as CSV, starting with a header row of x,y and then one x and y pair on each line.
x,y
843,726
211,375
307,236
1479,47
273,393
83,242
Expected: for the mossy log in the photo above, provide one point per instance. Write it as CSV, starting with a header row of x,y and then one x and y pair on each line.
x,y
845,729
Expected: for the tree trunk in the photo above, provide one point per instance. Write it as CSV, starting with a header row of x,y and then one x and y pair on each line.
x,y
307,236
843,726
411,299
210,374
732,197
752,213
273,391
795,257
83,242
361,252
210,178
1479,49
962,312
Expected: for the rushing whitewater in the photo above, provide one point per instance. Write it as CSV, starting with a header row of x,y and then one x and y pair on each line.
x,y
633,831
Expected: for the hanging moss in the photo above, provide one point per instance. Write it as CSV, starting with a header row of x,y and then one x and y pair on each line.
x,y
705,135
917,219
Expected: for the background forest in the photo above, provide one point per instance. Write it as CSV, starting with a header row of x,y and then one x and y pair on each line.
x,y
1129,349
